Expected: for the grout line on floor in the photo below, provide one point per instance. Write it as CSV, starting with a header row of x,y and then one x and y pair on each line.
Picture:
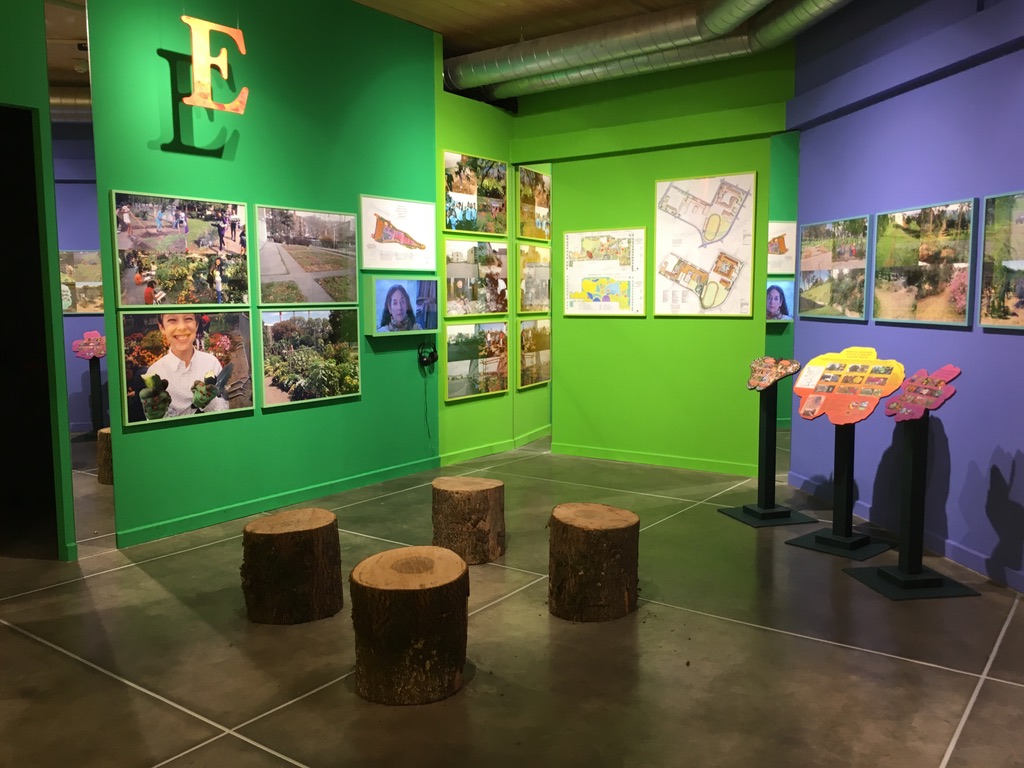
x,y
532,455
93,538
977,688
375,538
279,707
190,750
517,570
601,487
694,504
92,472
812,638
505,597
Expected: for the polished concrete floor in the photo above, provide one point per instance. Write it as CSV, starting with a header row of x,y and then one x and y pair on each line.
x,y
743,651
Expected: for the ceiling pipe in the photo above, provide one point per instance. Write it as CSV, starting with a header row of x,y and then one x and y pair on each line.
x,y
648,34
70,104
778,24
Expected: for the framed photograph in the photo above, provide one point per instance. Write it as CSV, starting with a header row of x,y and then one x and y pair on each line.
x,y
604,272
475,194
81,282
779,300
1002,263
402,304
398,234
781,247
704,246
175,250
310,355
534,278
306,257
534,352
185,364
476,277
833,259
923,264
534,204
477,360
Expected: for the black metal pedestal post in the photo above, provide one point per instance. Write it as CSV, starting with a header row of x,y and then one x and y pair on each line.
x,y
910,578
841,540
765,513
95,394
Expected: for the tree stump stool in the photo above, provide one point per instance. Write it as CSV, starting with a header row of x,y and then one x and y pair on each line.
x,y
291,567
104,457
592,567
469,517
410,608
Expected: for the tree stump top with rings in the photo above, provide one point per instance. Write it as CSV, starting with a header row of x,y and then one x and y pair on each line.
x,y
409,568
291,520
594,517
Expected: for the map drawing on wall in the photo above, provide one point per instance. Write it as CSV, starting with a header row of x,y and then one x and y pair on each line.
x,y
704,246
534,278
847,385
476,277
765,371
475,194
781,247
534,204
921,393
175,250
604,272
534,352
833,259
477,360
306,257
923,264
310,355
81,282
1002,265
180,364
397,234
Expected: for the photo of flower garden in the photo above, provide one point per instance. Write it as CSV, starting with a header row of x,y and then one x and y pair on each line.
x,y
923,264
534,204
476,276
81,282
534,352
1002,266
477,359
475,199
833,258
310,355
180,251
306,257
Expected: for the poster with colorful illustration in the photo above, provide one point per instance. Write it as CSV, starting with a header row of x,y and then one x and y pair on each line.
x,y
704,246
781,247
397,234
846,386
604,272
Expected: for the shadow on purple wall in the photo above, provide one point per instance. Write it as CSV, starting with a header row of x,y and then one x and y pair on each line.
x,y
1001,495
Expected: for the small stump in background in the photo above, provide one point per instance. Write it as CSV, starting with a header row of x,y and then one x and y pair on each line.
x,y
291,567
104,457
594,550
469,517
410,610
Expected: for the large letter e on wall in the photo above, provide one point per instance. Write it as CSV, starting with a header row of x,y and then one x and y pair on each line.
x,y
203,62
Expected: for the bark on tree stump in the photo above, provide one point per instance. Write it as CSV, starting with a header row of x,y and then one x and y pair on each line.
x,y
594,550
291,567
469,517
104,457
410,608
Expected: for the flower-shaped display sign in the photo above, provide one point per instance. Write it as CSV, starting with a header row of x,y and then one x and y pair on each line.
x,y
765,371
922,392
846,385
91,345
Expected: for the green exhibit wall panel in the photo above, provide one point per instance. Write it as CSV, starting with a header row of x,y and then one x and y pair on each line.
x,y
340,104
42,416
482,425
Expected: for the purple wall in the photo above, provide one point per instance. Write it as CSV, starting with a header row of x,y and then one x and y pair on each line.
x,y
957,136
74,170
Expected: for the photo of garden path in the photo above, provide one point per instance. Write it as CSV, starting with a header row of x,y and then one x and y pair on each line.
x,y
306,257
1002,269
922,264
833,259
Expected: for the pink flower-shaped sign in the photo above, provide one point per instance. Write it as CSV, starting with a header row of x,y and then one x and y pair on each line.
x,y
91,345
921,393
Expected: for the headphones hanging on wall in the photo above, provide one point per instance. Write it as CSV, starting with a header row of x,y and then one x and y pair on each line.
x,y
427,353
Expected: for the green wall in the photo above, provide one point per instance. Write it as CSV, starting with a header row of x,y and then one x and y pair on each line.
x,y
484,425
341,103
24,85
661,390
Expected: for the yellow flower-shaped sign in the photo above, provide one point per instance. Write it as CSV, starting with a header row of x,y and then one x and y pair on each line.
x,y
847,385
